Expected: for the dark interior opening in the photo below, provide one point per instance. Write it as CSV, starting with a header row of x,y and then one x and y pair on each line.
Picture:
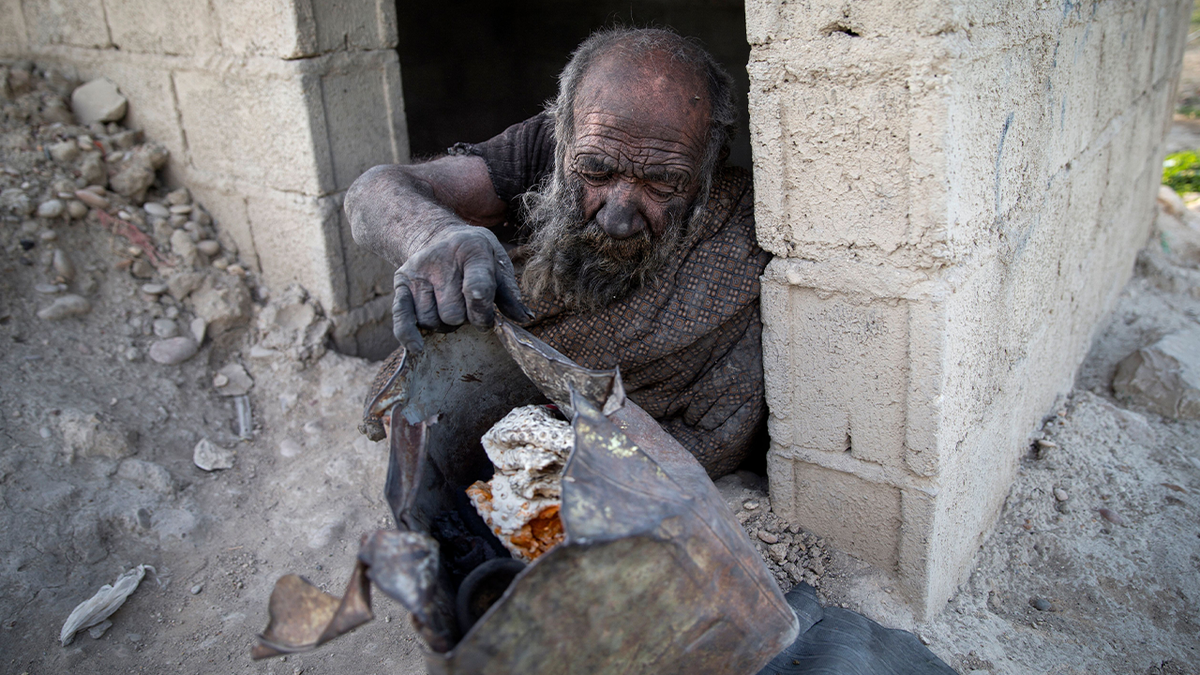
x,y
470,69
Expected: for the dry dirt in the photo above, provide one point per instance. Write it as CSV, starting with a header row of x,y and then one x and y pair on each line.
x,y
97,472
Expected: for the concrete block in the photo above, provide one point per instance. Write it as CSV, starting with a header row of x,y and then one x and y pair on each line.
x,y
846,385
256,129
260,28
855,514
98,101
354,25
12,28
364,115
297,238
78,23
168,27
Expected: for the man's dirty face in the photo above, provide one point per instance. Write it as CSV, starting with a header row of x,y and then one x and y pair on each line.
x,y
639,143
629,182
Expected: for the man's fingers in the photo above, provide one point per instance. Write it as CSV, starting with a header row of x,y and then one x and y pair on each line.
x,y
451,309
479,290
508,292
425,302
404,319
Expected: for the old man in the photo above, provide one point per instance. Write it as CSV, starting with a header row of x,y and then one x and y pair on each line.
x,y
614,216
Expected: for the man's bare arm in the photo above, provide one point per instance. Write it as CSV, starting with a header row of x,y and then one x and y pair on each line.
x,y
430,220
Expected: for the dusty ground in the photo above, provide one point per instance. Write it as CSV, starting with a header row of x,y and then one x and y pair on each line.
x,y
97,472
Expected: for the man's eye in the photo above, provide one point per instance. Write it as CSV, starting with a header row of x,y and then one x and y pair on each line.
x,y
595,177
660,191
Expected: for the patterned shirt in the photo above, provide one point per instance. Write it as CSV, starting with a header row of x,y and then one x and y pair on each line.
x,y
689,342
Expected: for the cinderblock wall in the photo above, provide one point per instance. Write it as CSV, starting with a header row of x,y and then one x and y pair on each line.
x,y
954,191
270,111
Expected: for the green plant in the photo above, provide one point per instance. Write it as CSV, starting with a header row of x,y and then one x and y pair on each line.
x,y
1181,171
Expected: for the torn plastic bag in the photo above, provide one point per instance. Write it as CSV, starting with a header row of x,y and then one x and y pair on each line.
x,y
654,575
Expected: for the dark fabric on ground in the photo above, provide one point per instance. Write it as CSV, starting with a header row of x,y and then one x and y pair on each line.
x,y
836,641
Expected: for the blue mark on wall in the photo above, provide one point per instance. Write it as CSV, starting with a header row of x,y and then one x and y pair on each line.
x,y
999,156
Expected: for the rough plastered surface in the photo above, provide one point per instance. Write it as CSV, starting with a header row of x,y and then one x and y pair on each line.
x,y
270,111
954,192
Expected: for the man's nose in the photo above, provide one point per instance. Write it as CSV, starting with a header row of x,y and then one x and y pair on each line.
x,y
619,217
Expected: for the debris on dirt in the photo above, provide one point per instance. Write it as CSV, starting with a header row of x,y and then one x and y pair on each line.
x,y
1164,377
100,606
212,457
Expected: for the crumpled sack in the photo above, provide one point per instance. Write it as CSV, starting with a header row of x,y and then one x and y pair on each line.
x,y
100,606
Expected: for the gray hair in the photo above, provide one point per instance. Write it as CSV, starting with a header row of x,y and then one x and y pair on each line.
x,y
723,125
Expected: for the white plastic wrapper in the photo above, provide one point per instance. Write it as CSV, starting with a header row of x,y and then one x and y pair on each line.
x,y
99,607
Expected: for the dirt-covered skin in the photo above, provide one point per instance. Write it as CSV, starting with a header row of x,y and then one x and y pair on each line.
x,y
96,470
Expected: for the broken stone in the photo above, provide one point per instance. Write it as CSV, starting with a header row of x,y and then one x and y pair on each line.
x,y
65,306
98,101
183,246
212,457
223,304
234,379
64,152
63,267
51,208
93,435
182,284
92,169
1164,377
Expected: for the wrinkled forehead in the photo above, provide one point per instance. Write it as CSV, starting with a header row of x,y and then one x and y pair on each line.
x,y
650,91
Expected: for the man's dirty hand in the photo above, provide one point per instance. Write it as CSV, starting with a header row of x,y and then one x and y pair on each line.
x,y
460,275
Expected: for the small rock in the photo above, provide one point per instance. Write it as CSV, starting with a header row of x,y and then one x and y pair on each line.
x,y
154,289
182,246
156,209
51,208
767,537
1041,604
1111,516
44,432
198,327
96,632
76,209
66,306
64,152
182,209
15,200
197,588
92,169
142,269
48,289
91,199
173,350
237,381
924,640
165,328
208,247
750,505
212,457
179,197
48,235
132,354
1164,377
148,475
220,380
98,101
63,266
1061,494
133,180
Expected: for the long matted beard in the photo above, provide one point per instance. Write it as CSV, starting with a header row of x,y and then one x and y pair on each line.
x,y
578,262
